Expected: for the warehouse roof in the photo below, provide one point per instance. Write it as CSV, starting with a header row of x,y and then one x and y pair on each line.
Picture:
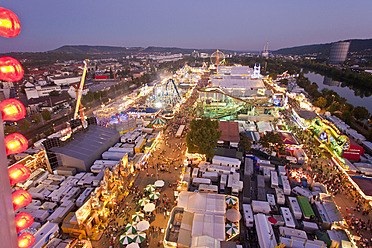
x,y
92,142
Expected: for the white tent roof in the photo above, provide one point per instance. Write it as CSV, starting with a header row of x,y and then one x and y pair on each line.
x,y
205,242
202,203
264,126
209,225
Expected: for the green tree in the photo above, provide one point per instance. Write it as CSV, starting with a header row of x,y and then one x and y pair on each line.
x,y
24,125
54,93
335,106
245,142
9,129
111,74
36,118
321,102
203,136
360,113
46,115
272,141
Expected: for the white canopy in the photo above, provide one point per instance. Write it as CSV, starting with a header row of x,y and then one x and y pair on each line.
x,y
202,203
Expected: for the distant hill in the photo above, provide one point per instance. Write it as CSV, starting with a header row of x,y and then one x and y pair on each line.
x,y
84,49
357,45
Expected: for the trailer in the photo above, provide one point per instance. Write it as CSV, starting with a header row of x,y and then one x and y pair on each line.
x,y
71,194
260,181
280,199
282,171
56,178
107,162
121,149
307,211
286,185
195,172
220,169
309,227
197,180
261,207
226,161
222,188
248,215
113,155
98,179
295,207
97,168
274,179
267,174
303,192
261,194
271,199
208,188
40,193
211,175
288,218
223,180
248,167
83,197
57,195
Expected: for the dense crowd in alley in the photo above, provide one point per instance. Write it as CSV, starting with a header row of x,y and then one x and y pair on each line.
x,y
358,214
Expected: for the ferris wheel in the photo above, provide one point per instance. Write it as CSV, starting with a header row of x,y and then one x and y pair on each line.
x,y
217,58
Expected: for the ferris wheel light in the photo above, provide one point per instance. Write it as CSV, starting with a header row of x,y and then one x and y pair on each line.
x,y
25,240
18,173
12,110
10,69
23,220
9,23
15,143
21,198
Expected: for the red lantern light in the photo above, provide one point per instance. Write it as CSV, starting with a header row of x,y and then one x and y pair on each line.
x,y
10,69
23,220
12,110
15,143
21,198
9,23
25,240
18,173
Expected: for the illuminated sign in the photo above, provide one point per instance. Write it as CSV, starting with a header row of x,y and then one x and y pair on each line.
x,y
65,133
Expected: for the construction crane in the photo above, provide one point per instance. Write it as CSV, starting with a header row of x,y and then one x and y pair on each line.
x,y
80,93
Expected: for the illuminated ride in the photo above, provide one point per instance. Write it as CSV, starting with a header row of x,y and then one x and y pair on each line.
x,y
330,135
164,95
80,93
217,59
231,104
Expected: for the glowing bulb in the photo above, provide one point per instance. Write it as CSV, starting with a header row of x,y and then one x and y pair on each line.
x,y
9,23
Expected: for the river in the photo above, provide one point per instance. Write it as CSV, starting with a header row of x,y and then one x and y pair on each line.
x,y
351,95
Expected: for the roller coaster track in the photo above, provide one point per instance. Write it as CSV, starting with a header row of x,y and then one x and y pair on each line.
x,y
219,90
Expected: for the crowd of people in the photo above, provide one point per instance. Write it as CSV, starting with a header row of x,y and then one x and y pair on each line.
x,y
326,172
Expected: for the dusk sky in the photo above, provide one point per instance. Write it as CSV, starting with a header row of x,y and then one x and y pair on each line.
x,y
234,24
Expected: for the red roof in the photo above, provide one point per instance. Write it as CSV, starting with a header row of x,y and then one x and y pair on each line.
x,y
230,131
76,86
101,77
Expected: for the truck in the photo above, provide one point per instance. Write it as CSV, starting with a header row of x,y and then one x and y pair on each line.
x,y
248,215
197,180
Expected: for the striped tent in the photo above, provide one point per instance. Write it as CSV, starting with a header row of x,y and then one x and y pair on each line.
x,y
158,122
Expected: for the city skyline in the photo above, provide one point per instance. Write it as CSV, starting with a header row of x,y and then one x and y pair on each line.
x,y
236,25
